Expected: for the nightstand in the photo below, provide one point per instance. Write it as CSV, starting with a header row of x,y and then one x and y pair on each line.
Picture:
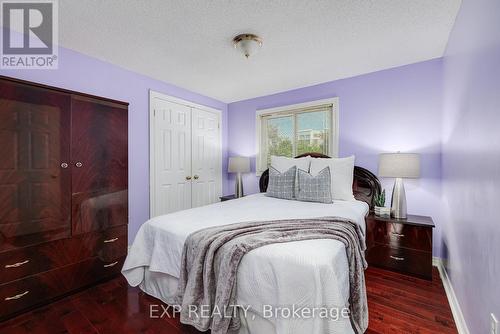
x,y
403,245
227,198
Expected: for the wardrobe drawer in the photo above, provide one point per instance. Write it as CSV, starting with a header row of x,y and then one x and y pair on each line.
x,y
21,264
41,288
107,245
399,235
36,259
26,292
112,243
408,261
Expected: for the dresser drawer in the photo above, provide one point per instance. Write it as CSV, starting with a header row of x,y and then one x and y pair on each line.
x,y
111,244
28,261
38,289
404,260
106,245
399,235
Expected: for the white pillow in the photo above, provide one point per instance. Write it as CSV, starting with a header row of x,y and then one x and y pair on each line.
x,y
342,174
282,164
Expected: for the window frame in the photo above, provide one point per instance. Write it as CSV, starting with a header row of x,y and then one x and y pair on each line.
x,y
333,147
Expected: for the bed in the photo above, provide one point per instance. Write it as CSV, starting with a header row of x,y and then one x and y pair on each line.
x,y
309,273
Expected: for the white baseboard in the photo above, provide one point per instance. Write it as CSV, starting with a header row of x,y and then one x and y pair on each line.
x,y
452,298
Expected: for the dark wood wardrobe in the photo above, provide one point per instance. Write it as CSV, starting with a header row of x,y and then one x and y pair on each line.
x,y
63,192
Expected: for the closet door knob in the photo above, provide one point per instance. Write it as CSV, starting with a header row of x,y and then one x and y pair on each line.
x,y
188,178
64,165
196,177
78,164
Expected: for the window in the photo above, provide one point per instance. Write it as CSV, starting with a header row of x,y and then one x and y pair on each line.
x,y
292,130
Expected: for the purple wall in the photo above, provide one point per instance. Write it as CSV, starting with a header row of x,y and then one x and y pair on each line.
x,y
386,111
471,160
89,75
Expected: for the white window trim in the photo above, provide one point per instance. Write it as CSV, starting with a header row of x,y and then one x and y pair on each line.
x,y
334,139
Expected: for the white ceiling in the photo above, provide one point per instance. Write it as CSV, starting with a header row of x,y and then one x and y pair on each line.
x,y
306,42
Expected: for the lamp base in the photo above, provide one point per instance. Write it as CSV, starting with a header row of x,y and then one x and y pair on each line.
x,y
398,201
238,186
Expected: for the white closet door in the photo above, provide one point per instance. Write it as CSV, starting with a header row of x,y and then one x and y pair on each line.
x,y
206,155
172,157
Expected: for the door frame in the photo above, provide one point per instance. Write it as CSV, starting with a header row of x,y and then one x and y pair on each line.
x,y
152,95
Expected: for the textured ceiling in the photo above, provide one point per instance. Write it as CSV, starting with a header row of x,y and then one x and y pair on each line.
x,y
188,43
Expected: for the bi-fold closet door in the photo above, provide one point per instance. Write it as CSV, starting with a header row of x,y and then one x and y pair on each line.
x,y
185,155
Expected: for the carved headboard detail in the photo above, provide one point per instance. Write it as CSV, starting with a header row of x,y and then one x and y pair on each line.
x,y
365,186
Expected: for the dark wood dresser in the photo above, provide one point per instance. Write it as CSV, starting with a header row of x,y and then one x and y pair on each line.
x,y
403,245
63,192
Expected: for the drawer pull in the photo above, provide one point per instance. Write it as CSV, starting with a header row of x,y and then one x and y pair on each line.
x,y
15,265
17,296
399,235
397,258
110,240
110,265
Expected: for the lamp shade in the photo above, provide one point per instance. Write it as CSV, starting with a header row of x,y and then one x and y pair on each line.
x,y
405,165
239,165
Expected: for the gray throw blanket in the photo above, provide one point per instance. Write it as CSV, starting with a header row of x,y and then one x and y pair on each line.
x,y
211,256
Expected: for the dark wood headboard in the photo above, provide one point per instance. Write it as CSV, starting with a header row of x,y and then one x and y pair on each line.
x,y
365,186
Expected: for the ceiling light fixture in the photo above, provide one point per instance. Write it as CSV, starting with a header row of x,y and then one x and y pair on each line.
x,y
248,44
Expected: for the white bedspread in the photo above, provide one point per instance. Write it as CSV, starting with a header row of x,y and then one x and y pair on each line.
x,y
310,273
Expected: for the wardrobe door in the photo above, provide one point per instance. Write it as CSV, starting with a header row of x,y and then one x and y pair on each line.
x,y
99,163
206,157
35,184
171,152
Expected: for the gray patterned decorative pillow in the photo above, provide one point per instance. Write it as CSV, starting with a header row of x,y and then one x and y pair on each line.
x,y
281,185
314,188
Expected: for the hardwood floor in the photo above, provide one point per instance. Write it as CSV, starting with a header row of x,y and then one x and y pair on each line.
x,y
397,304
404,304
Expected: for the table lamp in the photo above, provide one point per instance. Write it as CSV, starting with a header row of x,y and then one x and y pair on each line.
x,y
238,165
399,165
